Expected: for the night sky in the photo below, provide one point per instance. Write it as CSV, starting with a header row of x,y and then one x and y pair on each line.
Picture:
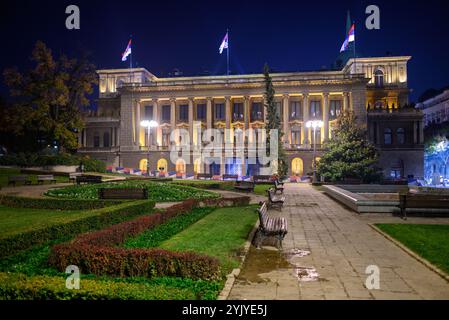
x,y
289,35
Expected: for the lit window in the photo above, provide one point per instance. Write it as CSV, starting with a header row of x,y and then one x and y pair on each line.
x,y
379,78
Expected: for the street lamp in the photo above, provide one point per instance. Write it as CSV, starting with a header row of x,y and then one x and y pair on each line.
x,y
148,124
314,124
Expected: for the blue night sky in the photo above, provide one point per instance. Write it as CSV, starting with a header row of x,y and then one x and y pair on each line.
x,y
289,35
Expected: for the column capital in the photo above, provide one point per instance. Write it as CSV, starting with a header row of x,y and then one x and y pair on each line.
x,y
227,98
191,99
285,96
247,97
172,100
305,94
155,100
345,93
209,98
326,94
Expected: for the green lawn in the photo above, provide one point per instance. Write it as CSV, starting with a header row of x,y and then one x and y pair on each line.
x,y
5,172
428,240
157,191
17,220
261,189
220,234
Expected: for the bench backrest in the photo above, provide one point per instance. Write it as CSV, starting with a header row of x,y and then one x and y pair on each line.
x,y
45,176
123,193
75,174
230,176
204,175
265,178
424,201
263,217
17,178
270,193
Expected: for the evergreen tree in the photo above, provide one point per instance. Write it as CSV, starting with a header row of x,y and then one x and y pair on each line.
x,y
274,122
349,154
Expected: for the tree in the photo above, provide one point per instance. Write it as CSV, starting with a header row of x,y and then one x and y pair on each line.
x,y
349,154
48,99
274,122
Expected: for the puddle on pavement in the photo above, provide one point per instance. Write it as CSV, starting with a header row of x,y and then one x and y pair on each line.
x,y
263,261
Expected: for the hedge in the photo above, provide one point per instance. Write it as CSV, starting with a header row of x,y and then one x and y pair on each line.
x,y
105,217
16,286
97,252
56,204
208,184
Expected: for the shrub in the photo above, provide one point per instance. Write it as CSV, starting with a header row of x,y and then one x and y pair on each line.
x,y
97,253
105,217
56,204
121,262
16,286
208,184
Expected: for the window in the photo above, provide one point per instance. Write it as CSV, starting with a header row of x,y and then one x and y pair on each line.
x,y
400,132
165,138
379,78
256,111
237,112
334,109
184,112
166,113
315,109
387,136
148,114
295,110
96,140
200,112
219,111
296,136
279,110
317,135
106,142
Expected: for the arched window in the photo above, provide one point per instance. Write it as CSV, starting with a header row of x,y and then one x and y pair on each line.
x,y
180,166
400,132
143,165
106,141
197,166
379,78
297,167
387,136
162,165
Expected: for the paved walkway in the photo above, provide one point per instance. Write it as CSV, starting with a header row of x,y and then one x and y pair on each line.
x,y
341,245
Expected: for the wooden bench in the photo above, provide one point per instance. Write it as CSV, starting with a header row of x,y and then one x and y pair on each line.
x,y
246,186
275,201
278,186
270,227
261,178
88,179
204,176
14,179
45,177
73,175
123,193
422,201
230,177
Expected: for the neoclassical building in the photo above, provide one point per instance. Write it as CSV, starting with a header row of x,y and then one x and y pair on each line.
x,y
374,88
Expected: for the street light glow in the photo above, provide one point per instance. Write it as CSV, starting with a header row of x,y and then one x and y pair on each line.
x,y
149,123
314,124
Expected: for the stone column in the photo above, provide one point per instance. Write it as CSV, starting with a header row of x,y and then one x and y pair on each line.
x,y
421,132
415,132
228,112
85,137
137,124
304,129
157,116
191,107
285,113
345,101
173,113
246,113
326,116
209,113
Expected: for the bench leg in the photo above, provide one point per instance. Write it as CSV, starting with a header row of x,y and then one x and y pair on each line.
x,y
259,239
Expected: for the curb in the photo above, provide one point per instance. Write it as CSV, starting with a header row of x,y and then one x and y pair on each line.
x,y
224,294
426,263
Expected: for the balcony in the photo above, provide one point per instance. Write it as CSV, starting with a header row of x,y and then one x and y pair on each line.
x,y
99,149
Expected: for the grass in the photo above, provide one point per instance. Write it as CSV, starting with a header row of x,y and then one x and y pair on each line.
x,y
261,189
430,241
220,234
157,191
154,237
5,172
18,220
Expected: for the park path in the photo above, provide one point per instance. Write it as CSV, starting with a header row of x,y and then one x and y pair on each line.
x,y
342,244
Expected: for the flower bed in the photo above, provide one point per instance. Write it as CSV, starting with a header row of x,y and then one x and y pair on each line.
x,y
97,252
159,192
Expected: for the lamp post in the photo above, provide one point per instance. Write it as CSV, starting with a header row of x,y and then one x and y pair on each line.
x,y
148,124
314,124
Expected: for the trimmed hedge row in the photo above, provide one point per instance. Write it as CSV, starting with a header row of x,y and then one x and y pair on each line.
x,y
56,204
16,286
218,185
105,217
97,252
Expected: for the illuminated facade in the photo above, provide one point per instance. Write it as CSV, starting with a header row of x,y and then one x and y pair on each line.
x,y
374,88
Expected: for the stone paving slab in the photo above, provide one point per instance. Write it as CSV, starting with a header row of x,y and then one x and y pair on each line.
x,y
342,245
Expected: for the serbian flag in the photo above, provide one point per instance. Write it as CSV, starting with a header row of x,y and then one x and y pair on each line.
x,y
127,51
224,43
349,38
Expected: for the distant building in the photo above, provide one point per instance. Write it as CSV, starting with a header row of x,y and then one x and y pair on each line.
x,y
436,109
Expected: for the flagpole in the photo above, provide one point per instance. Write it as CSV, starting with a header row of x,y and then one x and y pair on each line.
x,y
355,57
227,52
